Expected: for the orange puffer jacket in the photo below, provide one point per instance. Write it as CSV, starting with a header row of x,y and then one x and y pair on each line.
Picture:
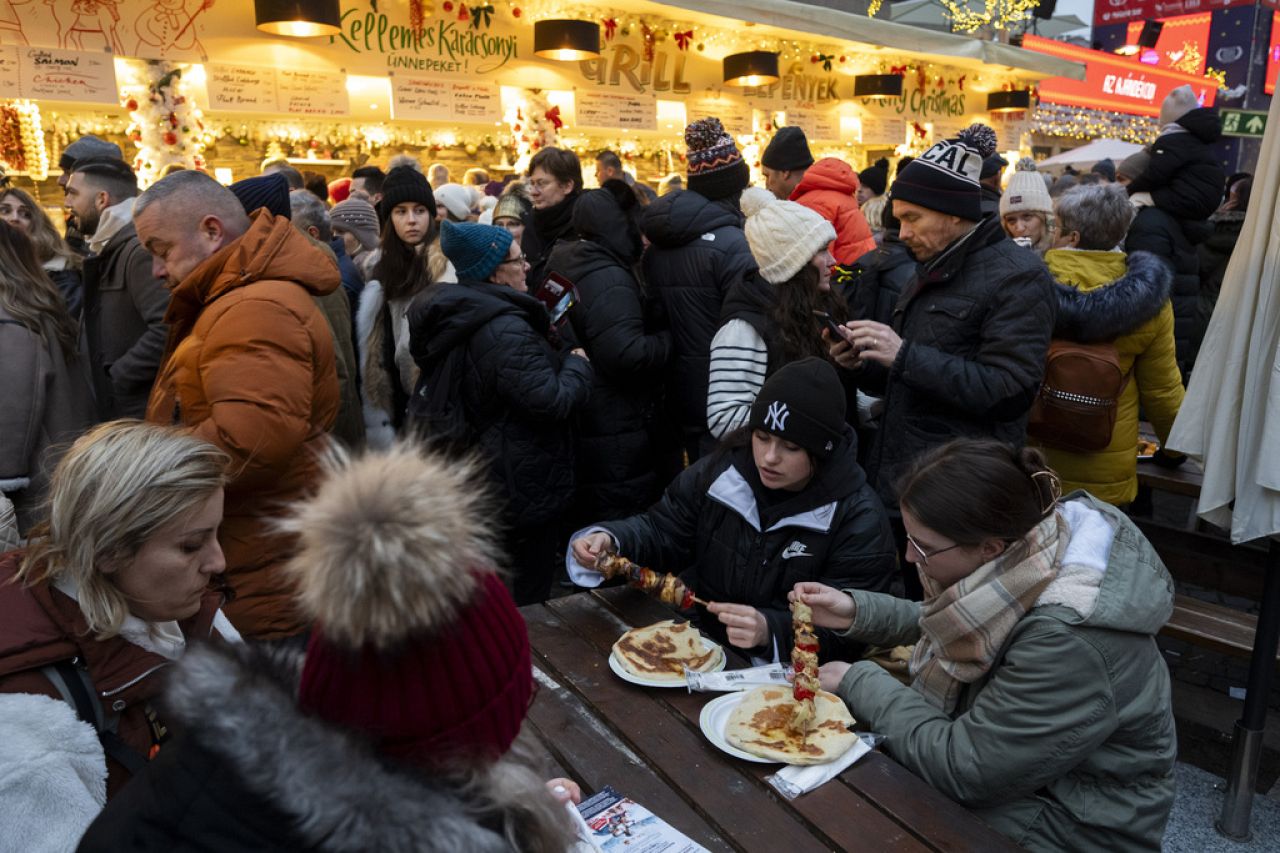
x,y
829,187
250,366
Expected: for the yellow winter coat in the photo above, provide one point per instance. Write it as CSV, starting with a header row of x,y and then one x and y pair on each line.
x,y
1104,296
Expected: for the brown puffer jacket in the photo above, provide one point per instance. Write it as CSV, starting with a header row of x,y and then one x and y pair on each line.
x,y
40,626
250,366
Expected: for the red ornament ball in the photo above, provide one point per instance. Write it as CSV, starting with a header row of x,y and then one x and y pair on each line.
x,y
515,12
170,138
448,7
132,105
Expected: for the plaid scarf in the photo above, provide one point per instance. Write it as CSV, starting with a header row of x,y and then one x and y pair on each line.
x,y
963,627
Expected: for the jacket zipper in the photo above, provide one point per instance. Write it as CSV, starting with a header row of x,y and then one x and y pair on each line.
x,y
132,682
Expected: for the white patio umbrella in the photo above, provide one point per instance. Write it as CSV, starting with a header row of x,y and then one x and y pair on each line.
x,y
1100,149
1230,422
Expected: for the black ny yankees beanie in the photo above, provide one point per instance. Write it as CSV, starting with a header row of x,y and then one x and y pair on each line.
x,y
804,404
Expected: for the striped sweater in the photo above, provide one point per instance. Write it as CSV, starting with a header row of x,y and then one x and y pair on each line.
x,y
739,365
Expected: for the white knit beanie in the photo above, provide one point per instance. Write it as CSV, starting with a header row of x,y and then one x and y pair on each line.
x,y
783,235
457,198
1026,191
1178,103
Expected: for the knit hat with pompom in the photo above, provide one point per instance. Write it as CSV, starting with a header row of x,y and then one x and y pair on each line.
x,y
416,642
716,167
1026,191
945,178
783,235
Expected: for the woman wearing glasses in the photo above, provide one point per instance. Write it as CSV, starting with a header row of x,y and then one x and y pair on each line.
x,y
1039,698
555,184
494,384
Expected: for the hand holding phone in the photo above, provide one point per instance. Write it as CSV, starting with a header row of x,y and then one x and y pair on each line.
x,y
837,331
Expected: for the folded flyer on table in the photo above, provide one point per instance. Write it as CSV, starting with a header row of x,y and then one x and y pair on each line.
x,y
612,823
737,679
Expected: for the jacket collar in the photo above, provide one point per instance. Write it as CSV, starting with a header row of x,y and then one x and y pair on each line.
x,y
1095,305
733,491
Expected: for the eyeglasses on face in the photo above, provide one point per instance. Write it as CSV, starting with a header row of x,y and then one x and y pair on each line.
x,y
541,184
925,555
518,259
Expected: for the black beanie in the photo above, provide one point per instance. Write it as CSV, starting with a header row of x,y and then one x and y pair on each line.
x,y
404,183
269,191
874,178
945,178
992,166
788,151
804,404
1106,168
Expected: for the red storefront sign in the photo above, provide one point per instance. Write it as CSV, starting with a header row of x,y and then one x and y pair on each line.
x,y
1112,82
1183,43
1273,55
1121,11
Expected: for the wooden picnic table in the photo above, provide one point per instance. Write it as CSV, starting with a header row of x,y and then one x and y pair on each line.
x,y
646,743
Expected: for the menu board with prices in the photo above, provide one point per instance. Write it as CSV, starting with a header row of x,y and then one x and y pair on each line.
x,y
736,116
10,77
816,124
615,110
947,127
46,73
434,99
883,130
1010,128
295,91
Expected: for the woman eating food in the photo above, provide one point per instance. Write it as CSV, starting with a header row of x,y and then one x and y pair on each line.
x,y
1039,698
783,501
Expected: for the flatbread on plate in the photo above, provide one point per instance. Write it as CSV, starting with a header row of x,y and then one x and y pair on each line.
x,y
661,651
762,724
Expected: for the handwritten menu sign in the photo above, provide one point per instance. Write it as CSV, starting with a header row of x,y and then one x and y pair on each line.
x,y
946,127
312,93
1010,127
241,88
883,130
616,110
10,78
734,115
817,124
434,99
67,75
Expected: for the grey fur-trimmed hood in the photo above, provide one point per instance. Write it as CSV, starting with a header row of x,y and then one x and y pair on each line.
x,y
238,703
1107,312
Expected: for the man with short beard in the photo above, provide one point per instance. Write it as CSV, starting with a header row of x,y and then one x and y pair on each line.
x,y
250,367
123,330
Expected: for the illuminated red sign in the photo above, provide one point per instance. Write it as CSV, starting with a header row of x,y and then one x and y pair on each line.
x,y
1183,43
1112,82
1122,11
1273,55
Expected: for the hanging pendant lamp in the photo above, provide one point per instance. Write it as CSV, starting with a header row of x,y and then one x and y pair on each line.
x,y
565,40
753,68
877,86
1008,102
299,18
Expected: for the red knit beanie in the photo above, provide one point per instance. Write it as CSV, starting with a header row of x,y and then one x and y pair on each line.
x,y
417,643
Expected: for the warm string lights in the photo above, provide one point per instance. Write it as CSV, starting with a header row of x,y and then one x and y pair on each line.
x,y
1081,123
994,14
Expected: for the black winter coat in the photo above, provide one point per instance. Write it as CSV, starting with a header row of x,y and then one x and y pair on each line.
x,y
975,325
546,227
878,279
518,393
1155,231
712,529
1183,177
698,252
246,771
1215,254
71,286
616,468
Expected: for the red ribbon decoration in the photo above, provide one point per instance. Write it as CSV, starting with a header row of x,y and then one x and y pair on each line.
x,y
900,70
610,28
921,130
960,82
553,116
683,39
648,38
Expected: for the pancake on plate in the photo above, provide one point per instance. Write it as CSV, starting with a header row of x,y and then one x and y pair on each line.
x,y
763,724
661,651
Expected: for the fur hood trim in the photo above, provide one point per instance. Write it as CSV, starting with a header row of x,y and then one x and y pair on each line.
x,y
238,703
1107,312
389,545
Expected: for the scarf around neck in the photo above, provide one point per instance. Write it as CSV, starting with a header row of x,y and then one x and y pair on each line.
x,y
552,223
964,627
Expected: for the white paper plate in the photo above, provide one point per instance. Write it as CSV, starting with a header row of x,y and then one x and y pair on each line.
x,y
714,720
621,671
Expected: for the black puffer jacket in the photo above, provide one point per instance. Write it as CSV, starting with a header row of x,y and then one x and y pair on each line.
x,y
1155,231
1183,177
975,325
546,227
878,279
1215,253
699,251
616,468
518,393
712,528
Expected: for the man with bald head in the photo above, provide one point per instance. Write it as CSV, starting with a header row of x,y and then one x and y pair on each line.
x,y
249,367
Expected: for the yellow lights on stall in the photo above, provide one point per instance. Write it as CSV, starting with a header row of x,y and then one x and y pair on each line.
x,y
298,18
994,14
566,40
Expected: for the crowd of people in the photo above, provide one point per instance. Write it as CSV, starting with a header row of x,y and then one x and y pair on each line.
x,y
331,435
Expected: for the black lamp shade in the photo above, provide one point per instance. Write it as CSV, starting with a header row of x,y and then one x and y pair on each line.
x,y
1146,39
566,40
1007,102
753,68
299,18
877,86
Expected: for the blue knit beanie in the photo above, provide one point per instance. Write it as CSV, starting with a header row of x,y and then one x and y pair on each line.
x,y
475,250
269,191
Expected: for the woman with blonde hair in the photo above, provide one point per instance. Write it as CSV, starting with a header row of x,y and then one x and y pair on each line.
x,y
112,587
62,264
47,397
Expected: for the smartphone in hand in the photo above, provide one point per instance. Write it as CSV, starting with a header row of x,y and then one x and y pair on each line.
x,y
837,331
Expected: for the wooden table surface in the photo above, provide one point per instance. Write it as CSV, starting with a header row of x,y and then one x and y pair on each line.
x,y
646,743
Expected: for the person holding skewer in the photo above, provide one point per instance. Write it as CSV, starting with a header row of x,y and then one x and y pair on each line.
x,y
782,501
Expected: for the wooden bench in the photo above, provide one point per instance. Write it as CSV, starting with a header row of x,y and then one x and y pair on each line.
x,y
1221,629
